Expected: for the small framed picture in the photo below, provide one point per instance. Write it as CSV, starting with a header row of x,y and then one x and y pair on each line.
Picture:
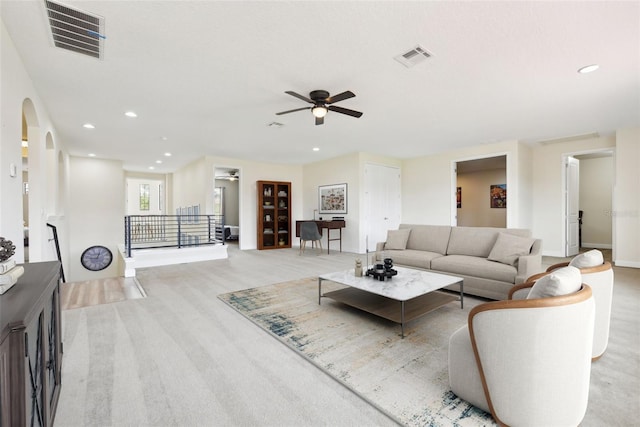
x,y
332,199
498,195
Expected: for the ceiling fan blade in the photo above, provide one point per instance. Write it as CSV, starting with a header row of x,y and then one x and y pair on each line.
x,y
319,121
304,98
292,111
344,111
339,97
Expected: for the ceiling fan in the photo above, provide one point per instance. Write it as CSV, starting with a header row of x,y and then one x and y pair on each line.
x,y
322,104
231,175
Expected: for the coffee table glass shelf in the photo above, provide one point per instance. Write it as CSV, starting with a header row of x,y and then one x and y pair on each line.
x,y
407,296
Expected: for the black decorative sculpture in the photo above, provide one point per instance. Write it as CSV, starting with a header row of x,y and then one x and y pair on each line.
x,y
382,271
7,249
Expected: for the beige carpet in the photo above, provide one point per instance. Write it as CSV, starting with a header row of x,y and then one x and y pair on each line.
x,y
182,357
366,353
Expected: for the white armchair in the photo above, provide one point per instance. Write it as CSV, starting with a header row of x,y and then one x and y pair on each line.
x,y
527,362
598,274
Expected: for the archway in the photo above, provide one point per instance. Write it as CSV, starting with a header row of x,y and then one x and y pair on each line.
x,y
34,230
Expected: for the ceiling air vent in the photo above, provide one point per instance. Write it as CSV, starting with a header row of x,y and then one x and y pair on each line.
x,y
413,57
74,30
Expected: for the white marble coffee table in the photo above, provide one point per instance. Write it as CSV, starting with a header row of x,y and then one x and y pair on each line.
x,y
407,296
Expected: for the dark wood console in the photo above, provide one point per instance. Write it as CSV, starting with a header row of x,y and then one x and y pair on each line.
x,y
31,347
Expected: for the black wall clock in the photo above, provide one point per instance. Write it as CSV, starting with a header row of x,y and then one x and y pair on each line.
x,y
96,258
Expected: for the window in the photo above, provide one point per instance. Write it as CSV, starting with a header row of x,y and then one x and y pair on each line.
x,y
144,197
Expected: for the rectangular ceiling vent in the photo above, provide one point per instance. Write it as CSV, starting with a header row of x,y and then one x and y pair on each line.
x,y
415,56
75,30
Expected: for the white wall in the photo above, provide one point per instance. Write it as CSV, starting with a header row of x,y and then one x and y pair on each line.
x,y
534,180
16,89
96,213
428,184
203,170
476,210
347,169
627,198
132,201
190,187
596,193
548,193
338,170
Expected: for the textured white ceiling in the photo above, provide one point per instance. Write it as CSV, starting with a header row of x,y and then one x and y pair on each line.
x,y
210,76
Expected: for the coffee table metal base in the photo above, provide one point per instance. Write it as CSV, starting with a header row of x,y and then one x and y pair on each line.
x,y
399,312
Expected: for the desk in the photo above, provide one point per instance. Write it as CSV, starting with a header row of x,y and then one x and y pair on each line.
x,y
326,225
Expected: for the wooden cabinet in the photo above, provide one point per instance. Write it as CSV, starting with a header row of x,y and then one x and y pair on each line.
x,y
30,347
274,214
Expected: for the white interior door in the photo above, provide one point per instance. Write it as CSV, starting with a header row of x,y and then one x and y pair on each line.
x,y
572,199
382,202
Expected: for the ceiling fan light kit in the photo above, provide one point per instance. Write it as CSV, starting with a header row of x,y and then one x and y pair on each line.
x,y
319,111
322,104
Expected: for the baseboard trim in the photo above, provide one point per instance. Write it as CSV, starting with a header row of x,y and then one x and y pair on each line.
x,y
622,263
554,254
597,245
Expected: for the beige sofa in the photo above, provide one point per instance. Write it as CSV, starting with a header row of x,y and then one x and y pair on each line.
x,y
491,260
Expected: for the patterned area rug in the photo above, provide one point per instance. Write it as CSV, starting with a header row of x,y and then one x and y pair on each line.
x,y
405,378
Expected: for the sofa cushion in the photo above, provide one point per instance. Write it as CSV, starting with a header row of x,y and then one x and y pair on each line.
x,y
563,281
592,258
476,267
397,239
411,257
478,241
432,238
508,248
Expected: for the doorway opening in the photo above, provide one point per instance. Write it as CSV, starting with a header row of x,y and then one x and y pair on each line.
x,y
588,222
480,189
226,201
25,186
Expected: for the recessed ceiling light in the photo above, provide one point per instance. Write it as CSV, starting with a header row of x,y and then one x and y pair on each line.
x,y
588,69
158,161
164,138
316,149
167,154
130,114
151,167
91,155
88,126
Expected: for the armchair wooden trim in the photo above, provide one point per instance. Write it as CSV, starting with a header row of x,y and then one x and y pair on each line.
x,y
581,295
586,270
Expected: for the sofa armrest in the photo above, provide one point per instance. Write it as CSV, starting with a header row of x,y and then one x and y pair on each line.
x,y
547,271
377,255
528,265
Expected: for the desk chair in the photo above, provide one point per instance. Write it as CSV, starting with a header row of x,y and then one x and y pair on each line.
x,y
309,231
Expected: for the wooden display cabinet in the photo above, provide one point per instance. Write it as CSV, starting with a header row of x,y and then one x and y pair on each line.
x,y
274,214
31,347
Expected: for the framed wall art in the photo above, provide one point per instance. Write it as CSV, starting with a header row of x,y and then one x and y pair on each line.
x,y
498,195
332,199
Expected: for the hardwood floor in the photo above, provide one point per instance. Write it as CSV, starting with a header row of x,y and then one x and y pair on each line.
x,y
100,291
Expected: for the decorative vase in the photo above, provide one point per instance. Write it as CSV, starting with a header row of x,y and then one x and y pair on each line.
x,y
358,269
